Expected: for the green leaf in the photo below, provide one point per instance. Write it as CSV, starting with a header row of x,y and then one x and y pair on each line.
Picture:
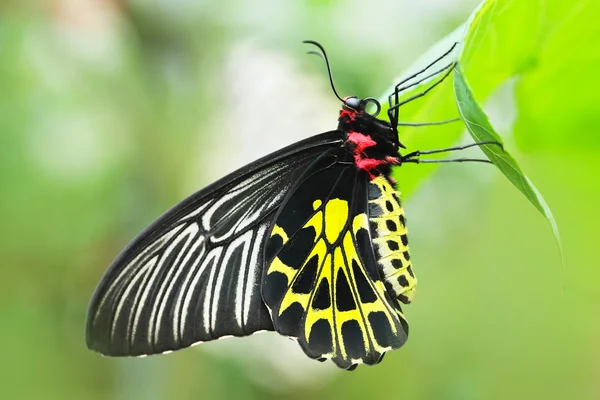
x,y
481,130
552,47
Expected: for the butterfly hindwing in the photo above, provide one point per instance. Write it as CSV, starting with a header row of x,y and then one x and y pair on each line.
x,y
195,274
321,281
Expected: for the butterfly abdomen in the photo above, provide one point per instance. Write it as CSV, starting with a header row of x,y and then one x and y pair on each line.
x,y
389,234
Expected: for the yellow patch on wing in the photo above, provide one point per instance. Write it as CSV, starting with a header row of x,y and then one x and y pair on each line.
x,y
278,266
315,314
277,230
336,215
290,297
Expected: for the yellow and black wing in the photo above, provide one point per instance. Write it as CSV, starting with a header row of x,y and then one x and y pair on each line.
x,y
321,281
194,275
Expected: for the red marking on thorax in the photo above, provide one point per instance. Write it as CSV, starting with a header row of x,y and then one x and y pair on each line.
x,y
347,113
363,142
368,164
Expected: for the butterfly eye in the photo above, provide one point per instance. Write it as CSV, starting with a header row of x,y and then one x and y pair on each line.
x,y
365,102
353,102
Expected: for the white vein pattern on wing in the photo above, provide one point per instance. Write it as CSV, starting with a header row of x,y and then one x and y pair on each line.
x,y
125,294
246,242
253,217
216,289
261,204
124,272
255,207
246,219
147,285
189,284
163,267
276,199
209,289
232,193
174,271
251,272
177,309
208,215
195,212
227,235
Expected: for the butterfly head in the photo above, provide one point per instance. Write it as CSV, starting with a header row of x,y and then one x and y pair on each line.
x,y
354,117
353,103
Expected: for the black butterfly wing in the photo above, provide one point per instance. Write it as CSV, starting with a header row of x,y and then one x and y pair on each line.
x,y
194,275
321,281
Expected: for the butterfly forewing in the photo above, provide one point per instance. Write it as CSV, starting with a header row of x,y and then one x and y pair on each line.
x,y
195,274
321,281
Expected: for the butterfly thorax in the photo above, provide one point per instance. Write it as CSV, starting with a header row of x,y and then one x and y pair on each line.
x,y
372,142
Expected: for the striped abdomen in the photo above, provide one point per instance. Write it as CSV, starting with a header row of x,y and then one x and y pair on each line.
x,y
389,234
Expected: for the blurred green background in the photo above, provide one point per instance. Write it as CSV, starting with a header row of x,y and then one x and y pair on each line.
x,y
111,111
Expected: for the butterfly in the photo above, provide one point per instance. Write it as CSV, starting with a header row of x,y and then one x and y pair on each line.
x,y
309,241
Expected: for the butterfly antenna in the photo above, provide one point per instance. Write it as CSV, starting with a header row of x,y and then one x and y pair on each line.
x,y
323,55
